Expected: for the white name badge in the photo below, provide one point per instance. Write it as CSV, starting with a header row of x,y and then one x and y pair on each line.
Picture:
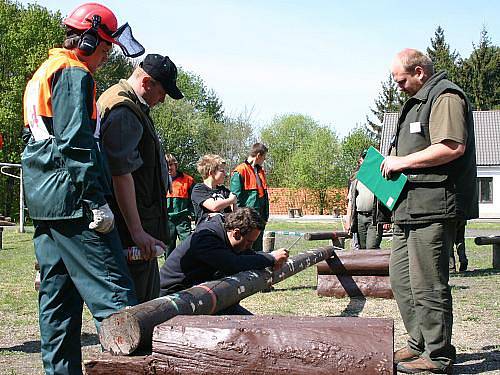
x,y
415,127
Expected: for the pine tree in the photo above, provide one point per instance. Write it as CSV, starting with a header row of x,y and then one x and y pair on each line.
x,y
481,74
442,57
390,99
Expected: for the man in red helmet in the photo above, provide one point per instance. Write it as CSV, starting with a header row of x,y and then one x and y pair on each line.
x,y
67,189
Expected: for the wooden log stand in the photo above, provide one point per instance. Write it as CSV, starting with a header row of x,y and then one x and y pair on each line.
x,y
361,273
262,345
494,241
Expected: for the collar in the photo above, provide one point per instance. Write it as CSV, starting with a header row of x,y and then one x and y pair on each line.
x,y
424,91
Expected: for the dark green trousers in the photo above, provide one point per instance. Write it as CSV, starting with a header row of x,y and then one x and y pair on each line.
x,y
77,265
419,278
177,229
369,235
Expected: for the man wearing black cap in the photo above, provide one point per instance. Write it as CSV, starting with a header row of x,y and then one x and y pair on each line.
x,y
137,164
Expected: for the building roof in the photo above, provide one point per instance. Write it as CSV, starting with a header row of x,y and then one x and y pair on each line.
x,y
486,129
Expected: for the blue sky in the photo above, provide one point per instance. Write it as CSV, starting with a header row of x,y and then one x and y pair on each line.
x,y
325,59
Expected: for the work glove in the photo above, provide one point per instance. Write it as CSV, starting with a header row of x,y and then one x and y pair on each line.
x,y
103,219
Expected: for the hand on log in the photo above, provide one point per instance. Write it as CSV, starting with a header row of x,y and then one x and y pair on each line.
x,y
280,257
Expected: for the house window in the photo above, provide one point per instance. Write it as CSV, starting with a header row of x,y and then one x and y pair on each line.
x,y
485,189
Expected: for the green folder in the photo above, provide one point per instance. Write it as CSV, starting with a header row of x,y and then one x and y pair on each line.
x,y
386,190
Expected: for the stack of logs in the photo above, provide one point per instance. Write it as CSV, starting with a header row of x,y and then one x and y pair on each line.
x,y
361,273
183,343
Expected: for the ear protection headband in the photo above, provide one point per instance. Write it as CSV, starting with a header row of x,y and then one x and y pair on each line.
x,y
89,39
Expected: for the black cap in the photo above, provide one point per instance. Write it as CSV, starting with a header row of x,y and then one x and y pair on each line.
x,y
163,70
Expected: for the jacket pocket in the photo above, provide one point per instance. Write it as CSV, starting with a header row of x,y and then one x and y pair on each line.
x,y
427,194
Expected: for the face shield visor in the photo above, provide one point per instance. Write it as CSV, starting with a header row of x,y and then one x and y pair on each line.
x,y
124,38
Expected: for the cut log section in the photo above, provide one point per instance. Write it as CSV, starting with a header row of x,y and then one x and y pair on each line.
x,y
360,263
341,286
273,345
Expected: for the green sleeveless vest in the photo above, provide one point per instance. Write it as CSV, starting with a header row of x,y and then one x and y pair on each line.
x,y
444,192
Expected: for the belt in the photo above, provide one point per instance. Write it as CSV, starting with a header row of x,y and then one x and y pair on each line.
x,y
364,213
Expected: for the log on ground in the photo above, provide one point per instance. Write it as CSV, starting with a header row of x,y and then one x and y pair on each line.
x,y
273,345
341,286
106,364
360,262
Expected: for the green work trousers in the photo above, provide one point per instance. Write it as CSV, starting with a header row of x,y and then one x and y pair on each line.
x,y
369,235
177,229
419,278
77,265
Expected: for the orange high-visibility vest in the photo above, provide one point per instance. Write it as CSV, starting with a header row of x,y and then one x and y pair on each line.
x,y
180,186
38,94
247,173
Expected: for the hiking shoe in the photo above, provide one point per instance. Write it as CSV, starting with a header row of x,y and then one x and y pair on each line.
x,y
422,365
404,354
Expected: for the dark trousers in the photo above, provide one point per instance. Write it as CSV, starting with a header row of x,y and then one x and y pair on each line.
x,y
146,277
177,229
369,235
77,265
419,278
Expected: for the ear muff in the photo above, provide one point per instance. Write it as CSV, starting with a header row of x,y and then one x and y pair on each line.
x,y
90,39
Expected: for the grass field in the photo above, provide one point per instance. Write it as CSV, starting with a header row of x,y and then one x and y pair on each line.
x,y
475,293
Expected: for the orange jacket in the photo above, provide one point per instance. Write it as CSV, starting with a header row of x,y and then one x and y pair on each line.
x,y
181,186
247,173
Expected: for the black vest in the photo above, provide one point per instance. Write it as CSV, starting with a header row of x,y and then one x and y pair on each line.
x,y
149,185
447,191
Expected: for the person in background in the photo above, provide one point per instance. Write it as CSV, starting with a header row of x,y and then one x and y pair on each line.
x,y
248,182
211,196
179,206
219,246
460,247
361,217
434,146
67,188
138,165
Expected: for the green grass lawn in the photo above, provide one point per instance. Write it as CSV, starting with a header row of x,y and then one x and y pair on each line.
x,y
475,293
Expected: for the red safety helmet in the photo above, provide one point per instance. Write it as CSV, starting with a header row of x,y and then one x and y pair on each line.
x,y
81,19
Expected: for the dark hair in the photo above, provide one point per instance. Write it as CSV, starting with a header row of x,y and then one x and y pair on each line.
x,y
258,148
245,219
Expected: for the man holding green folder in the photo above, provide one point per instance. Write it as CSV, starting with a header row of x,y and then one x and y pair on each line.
x,y
434,147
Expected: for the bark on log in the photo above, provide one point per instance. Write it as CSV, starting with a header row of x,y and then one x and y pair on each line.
x,y
106,364
341,286
359,263
122,333
314,236
273,345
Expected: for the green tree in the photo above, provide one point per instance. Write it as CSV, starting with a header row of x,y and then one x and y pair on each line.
x,y
117,67
284,137
315,164
481,74
442,57
351,147
202,98
390,99
26,34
